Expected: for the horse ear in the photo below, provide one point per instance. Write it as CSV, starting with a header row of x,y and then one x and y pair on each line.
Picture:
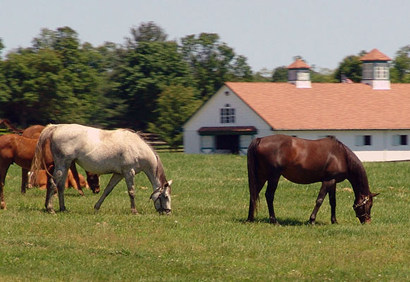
x,y
375,194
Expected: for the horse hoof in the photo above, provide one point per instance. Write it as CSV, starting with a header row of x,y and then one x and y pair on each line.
x,y
51,211
134,211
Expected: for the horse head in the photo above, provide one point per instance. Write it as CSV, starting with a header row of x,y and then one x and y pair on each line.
x,y
162,198
94,182
363,208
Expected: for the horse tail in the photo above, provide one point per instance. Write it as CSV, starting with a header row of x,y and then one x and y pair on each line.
x,y
39,160
252,173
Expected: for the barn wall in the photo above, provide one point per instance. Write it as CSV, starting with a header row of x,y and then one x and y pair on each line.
x,y
383,147
209,116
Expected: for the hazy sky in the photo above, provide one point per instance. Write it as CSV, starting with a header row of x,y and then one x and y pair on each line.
x,y
268,32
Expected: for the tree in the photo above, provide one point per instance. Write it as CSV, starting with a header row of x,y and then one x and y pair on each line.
x,y
1,46
175,105
351,67
147,32
212,62
400,72
54,81
280,74
147,70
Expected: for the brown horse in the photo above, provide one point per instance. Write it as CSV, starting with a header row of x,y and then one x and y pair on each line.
x,y
93,180
20,150
306,161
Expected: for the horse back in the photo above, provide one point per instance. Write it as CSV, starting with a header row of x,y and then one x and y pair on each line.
x,y
303,161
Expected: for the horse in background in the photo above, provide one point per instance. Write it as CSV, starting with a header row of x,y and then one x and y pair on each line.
x,y
120,152
93,180
306,161
40,180
20,150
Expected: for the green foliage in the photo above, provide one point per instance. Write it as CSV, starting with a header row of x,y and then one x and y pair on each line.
x,y
206,237
280,74
351,68
147,71
175,105
212,62
400,72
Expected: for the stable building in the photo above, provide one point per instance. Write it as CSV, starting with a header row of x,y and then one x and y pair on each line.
x,y
372,118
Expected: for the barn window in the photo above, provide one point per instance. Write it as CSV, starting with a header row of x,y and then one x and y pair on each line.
x,y
400,140
364,140
227,114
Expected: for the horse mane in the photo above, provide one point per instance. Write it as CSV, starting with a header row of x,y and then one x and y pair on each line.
x,y
160,172
356,173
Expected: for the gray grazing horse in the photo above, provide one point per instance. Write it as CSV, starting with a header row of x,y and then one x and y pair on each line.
x,y
120,152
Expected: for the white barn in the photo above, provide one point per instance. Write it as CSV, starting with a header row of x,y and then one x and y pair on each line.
x,y
372,118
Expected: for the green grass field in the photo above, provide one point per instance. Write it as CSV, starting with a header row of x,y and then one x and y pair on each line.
x,y
206,237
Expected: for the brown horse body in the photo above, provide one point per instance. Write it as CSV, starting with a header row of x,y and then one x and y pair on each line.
x,y
306,161
19,150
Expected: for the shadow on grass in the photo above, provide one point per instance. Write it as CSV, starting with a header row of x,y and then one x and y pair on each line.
x,y
282,222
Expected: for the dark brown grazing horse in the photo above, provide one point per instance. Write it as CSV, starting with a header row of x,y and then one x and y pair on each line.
x,y
306,161
93,180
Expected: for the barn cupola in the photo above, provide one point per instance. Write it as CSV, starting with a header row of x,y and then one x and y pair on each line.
x,y
299,74
376,70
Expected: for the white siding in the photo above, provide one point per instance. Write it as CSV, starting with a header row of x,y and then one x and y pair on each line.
x,y
209,116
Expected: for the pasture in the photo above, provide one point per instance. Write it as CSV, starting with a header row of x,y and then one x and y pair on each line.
x,y
206,237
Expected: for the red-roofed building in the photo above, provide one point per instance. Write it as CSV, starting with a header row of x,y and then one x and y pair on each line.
x,y
372,118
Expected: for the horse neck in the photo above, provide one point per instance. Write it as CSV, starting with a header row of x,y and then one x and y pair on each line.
x,y
357,175
155,173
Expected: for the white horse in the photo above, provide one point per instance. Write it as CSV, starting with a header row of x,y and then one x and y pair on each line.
x,y
120,152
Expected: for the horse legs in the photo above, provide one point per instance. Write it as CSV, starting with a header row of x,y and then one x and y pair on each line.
x,y
115,178
77,178
3,172
270,195
326,185
24,180
332,202
51,188
129,179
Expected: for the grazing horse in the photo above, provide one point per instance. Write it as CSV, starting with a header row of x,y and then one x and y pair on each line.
x,y
120,152
93,180
306,161
20,150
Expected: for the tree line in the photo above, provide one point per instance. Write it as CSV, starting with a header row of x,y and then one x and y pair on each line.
x,y
147,83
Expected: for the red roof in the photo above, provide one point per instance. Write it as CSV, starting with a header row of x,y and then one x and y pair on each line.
x,y
375,55
299,64
327,106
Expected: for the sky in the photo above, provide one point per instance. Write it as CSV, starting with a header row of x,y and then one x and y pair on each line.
x,y
269,33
